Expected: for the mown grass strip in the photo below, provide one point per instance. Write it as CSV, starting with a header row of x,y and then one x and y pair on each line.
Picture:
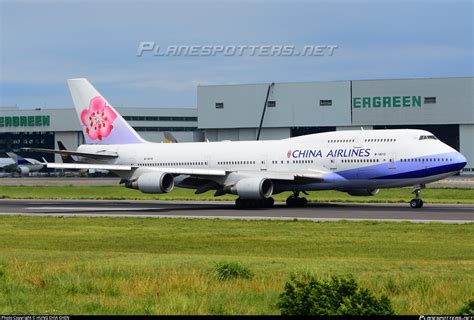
x,y
81,265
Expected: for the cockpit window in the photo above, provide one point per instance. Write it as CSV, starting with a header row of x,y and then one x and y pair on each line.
x,y
430,137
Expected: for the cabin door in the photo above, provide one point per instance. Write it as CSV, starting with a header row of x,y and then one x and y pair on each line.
x,y
392,161
263,163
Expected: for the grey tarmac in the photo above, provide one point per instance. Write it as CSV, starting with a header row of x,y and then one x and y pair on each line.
x,y
226,210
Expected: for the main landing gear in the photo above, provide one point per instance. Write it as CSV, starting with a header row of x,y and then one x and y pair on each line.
x,y
294,200
254,203
417,202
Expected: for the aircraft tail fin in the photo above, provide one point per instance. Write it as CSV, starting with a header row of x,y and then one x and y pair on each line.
x,y
13,156
66,158
169,138
17,158
101,123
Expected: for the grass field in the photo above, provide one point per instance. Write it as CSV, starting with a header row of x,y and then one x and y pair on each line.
x,y
120,193
83,265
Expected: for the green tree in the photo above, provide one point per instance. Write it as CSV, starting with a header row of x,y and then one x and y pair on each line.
x,y
337,296
467,309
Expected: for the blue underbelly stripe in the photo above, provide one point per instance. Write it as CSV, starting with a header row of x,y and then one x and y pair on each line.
x,y
424,172
404,170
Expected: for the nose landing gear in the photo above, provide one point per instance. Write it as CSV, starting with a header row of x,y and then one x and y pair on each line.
x,y
417,202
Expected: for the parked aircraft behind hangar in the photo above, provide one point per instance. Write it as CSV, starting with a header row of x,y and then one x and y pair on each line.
x,y
356,162
16,163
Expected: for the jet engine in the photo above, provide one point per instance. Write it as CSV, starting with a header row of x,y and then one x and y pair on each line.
x,y
156,182
23,170
253,188
363,192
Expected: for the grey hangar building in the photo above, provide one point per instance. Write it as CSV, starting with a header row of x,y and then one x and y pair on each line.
x,y
443,106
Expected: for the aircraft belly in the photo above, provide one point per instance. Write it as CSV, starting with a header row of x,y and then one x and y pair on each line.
x,y
360,184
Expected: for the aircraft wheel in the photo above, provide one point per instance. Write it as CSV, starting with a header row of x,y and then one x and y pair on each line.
x,y
239,203
416,203
303,202
268,203
254,203
420,203
294,202
290,202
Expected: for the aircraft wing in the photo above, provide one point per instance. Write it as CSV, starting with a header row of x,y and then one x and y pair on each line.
x,y
119,167
298,176
193,172
102,155
116,167
302,176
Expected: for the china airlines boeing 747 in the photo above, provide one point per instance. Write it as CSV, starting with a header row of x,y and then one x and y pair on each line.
x,y
356,162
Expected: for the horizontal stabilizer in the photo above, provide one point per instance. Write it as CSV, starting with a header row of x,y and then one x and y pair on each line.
x,y
102,155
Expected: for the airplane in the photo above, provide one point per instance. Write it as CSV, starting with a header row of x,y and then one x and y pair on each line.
x,y
19,164
357,162
169,138
7,164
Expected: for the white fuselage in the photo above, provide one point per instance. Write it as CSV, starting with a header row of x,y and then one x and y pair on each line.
x,y
346,159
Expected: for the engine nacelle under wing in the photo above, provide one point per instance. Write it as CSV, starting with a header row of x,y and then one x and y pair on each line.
x,y
156,182
253,188
23,170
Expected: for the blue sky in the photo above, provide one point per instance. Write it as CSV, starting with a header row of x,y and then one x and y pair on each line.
x,y
42,43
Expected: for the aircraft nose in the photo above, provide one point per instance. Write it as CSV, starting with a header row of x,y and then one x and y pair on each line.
x,y
461,160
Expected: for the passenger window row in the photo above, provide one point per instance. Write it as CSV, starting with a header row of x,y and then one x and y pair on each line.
x,y
360,160
427,160
380,140
302,161
171,164
234,162
366,140
341,140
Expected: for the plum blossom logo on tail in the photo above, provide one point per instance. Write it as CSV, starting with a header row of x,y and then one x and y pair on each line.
x,y
98,118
